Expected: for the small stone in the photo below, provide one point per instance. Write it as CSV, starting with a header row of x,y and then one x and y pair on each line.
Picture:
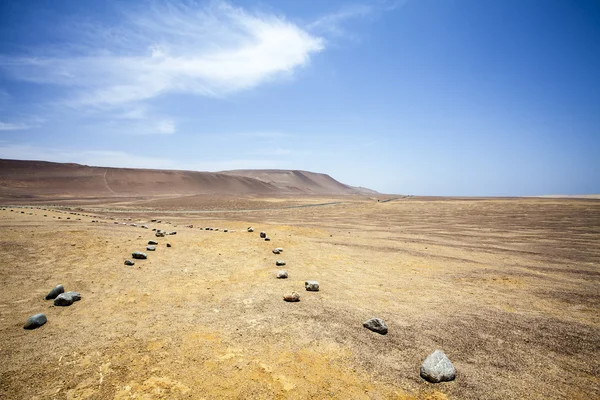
x,y
292,297
376,325
55,292
267,239
263,235
129,262
250,229
139,255
154,242
150,248
66,299
168,244
35,321
282,274
276,251
279,263
438,368
311,286
279,249
225,230
159,234
173,233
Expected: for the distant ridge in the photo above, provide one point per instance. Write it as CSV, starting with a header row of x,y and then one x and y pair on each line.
x,y
41,178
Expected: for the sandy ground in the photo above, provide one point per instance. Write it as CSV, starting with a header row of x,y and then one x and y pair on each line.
x,y
508,289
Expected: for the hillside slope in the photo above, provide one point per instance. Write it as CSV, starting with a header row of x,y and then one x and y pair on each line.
x,y
39,178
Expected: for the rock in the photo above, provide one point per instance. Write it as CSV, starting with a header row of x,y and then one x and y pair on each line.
x,y
311,286
207,228
139,255
279,249
150,248
437,368
66,299
154,242
279,263
267,239
159,234
168,244
225,230
263,235
376,325
35,321
173,233
144,227
129,262
55,292
292,297
282,274
276,251
250,229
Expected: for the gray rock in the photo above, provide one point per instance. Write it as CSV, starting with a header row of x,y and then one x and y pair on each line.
x,y
159,234
279,262
279,249
139,255
129,262
263,235
276,251
376,325
150,248
66,299
282,274
437,368
311,286
154,242
35,321
55,292
250,229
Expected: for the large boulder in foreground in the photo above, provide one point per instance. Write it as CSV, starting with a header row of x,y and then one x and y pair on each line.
x,y
376,325
438,368
55,292
35,321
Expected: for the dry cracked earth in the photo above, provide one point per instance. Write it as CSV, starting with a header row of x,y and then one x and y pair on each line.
x,y
509,289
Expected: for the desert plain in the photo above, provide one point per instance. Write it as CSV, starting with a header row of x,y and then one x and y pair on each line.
x,y
509,289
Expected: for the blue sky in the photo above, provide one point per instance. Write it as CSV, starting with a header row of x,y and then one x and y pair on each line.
x,y
425,97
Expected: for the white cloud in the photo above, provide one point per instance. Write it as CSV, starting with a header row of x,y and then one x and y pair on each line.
x,y
18,126
212,51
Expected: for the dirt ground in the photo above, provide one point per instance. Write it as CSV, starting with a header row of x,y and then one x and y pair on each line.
x,y
509,289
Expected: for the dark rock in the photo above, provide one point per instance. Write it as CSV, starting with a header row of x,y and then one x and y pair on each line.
x,y
168,244
438,368
35,321
159,234
55,292
66,299
250,229
279,263
376,325
129,262
154,242
139,255
263,235
311,286
276,251
267,239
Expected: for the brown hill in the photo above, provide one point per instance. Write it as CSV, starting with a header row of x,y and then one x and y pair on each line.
x,y
39,178
293,181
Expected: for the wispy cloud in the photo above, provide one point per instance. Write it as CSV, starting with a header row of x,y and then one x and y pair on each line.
x,y
334,23
8,126
213,50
